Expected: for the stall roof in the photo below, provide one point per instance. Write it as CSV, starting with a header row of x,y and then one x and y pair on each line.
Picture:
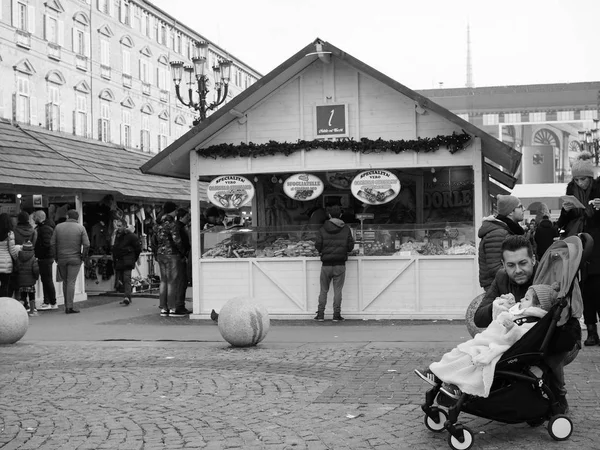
x,y
34,159
173,161
548,193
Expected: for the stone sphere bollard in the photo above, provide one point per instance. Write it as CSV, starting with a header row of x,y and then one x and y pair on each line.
x,y
470,316
243,322
14,320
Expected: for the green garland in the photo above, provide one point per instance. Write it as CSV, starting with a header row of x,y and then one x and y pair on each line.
x,y
454,143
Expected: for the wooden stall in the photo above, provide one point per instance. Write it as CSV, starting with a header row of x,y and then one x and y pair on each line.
x,y
325,117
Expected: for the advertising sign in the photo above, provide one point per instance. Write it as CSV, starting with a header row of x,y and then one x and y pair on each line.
x,y
332,120
375,187
303,187
230,192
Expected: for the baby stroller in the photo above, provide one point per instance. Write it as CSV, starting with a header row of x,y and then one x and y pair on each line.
x,y
520,390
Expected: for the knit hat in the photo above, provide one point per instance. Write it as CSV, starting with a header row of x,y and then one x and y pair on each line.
x,y
506,204
546,294
169,207
27,245
583,167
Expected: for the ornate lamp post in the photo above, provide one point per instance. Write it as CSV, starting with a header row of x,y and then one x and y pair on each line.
x,y
590,141
221,72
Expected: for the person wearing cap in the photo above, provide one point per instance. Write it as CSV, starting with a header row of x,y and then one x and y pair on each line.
x,y
27,275
494,229
469,367
574,220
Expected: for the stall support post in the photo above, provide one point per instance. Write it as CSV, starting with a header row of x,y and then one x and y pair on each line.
x,y
196,250
479,187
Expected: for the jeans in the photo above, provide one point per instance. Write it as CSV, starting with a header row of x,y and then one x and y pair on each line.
x,y
4,281
183,284
557,363
338,275
68,273
591,299
47,282
171,269
124,276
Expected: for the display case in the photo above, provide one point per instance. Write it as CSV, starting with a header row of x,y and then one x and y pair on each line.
x,y
449,238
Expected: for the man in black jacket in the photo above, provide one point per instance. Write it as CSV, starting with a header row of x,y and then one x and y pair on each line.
x,y
334,242
43,252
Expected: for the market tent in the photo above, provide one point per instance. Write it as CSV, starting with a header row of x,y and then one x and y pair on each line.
x,y
501,160
36,160
548,193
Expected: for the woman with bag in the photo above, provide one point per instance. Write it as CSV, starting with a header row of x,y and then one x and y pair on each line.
x,y
8,253
575,220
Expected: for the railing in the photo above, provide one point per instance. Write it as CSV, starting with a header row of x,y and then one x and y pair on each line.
x,y
23,38
127,80
81,62
54,51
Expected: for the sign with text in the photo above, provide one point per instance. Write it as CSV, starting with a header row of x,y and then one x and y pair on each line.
x,y
375,187
332,120
303,187
230,192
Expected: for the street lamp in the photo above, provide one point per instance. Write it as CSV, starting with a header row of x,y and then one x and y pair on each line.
x,y
197,70
590,141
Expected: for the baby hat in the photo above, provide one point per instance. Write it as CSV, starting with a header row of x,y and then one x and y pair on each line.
x,y
583,167
546,294
506,204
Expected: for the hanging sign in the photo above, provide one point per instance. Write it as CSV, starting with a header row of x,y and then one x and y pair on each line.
x,y
375,187
230,192
303,187
331,120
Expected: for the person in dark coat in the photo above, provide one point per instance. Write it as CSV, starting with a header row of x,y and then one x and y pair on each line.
x,y
24,231
334,242
125,252
43,252
544,236
27,275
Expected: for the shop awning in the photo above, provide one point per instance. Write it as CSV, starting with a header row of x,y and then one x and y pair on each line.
x,y
35,160
174,160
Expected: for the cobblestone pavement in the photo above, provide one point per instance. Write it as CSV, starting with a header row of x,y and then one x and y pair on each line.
x,y
182,395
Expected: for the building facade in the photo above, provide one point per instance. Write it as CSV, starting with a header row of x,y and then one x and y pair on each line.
x,y
100,69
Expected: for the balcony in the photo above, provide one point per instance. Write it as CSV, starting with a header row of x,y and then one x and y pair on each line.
x,y
105,72
81,62
164,96
127,80
145,88
23,39
54,51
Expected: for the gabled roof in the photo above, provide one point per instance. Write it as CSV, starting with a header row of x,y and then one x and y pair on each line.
x,y
33,159
174,162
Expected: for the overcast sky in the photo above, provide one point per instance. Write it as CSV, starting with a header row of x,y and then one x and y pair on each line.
x,y
419,43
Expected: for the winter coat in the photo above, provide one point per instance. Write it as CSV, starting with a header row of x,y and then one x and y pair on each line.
x,y
25,232
167,238
334,242
70,242
43,244
27,267
126,250
544,237
493,231
8,253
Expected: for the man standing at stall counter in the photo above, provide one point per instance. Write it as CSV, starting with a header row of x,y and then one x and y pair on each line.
x,y
334,242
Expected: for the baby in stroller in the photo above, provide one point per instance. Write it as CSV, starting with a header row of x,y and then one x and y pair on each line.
x,y
469,367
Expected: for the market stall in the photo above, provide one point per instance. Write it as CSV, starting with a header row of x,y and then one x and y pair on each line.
x,y
322,130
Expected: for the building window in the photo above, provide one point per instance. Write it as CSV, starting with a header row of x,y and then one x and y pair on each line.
x,y
178,50
80,42
104,121
105,52
490,119
51,29
137,19
537,117
104,6
22,22
512,118
125,12
23,102
163,132
81,115
163,34
588,114
126,128
53,108
565,115
145,135
126,62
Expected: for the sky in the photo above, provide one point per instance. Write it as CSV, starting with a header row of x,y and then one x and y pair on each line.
x,y
419,43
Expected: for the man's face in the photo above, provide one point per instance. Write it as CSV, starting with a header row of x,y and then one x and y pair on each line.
x,y
518,265
518,213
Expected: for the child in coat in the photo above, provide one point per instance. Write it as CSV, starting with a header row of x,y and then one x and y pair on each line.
x,y
469,367
27,275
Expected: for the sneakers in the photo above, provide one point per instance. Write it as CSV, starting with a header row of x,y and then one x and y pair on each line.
x,y
179,312
338,319
428,376
164,312
320,318
451,390
33,312
53,306
48,306
125,302
71,311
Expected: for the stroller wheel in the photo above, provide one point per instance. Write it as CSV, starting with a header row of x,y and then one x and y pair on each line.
x,y
434,425
560,427
467,441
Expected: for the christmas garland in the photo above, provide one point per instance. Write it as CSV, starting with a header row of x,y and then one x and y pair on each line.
x,y
453,143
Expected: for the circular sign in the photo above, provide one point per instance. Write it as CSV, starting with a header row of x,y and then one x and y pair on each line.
x,y
230,192
375,187
303,187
